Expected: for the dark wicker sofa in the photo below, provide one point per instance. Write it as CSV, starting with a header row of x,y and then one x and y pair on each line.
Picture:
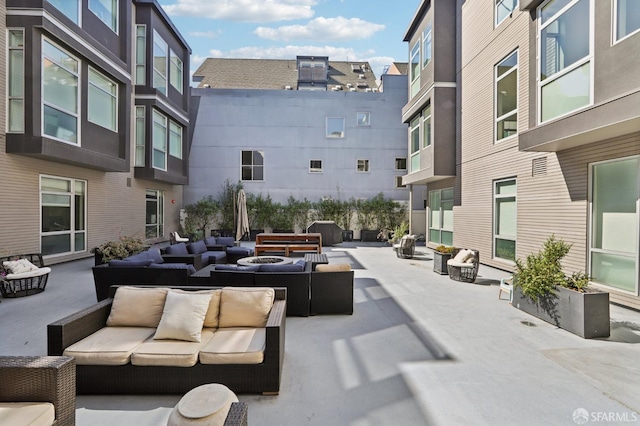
x,y
41,379
130,379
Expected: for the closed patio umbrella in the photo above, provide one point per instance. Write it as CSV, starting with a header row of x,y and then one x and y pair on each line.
x,y
242,226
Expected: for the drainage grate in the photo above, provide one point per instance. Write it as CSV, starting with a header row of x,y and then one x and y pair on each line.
x,y
527,323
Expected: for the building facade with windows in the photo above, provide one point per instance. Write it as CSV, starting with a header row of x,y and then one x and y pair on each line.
x,y
95,145
548,134
311,133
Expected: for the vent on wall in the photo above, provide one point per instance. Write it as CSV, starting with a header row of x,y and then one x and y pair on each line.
x,y
539,166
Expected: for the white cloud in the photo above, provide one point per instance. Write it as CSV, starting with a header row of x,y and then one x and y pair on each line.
x,y
207,34
290,52
244,10
322,29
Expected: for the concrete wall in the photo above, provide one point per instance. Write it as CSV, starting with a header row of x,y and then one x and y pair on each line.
x,y
290,128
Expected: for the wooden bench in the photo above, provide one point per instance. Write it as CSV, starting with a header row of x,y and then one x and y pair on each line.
x,y
271,248
315,248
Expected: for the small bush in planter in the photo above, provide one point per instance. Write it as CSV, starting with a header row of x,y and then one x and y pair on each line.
x,y
542,272
445,249
126,246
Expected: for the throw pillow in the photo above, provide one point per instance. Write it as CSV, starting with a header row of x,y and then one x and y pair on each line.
x,y
226,241
333,267
211,318
245,307
463,255
183,316
197,247
137,307
179,249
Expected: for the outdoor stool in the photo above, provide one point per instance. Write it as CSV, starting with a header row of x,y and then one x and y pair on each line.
x,y
209,405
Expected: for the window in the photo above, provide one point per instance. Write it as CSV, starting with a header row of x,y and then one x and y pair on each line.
x,y
175,139
107,11
335,127
15,81
414,68
401,163
159,141
564,52
441,216
364,118
59,93
103,101
398,182
363,166
159,63
414,140
68,7
63,208
140,137
504,219
154,226
315,166
175,71
615,223
627,18
426,126
141,54
506,97
252,165
426,45
504,8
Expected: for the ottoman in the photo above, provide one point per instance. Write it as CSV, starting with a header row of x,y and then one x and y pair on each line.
x,y
209,405
236,252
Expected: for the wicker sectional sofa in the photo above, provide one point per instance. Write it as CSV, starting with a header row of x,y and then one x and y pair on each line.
x,y
133,362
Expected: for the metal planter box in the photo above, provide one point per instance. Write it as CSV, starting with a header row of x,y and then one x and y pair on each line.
x,y
440,263
584,314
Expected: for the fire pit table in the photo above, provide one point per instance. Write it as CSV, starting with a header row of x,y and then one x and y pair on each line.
x,y
261,260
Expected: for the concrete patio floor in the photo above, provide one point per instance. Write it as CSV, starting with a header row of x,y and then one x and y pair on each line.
x,y
420,349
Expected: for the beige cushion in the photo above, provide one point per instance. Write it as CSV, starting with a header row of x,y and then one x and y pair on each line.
x,y
245,307
109,345
452,262
172,353
20,266
27,413
183,316
205,405
30,274
211,318
137,307
333,267
235,346
463,255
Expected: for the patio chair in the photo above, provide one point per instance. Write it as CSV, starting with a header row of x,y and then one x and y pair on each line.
x,y
464,264
23,275
506,285
38,379
406,248
175,238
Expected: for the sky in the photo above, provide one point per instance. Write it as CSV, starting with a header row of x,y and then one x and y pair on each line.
x,y
343,30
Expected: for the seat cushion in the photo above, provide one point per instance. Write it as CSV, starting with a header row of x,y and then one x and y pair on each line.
x,y
183,316
30,274
27,413
210,257
171,353
129,263
109,345
245,307
333,267
463,255
226,241
197,247
137,307
452,262
274,267
180,249
19,266
242,345
240,251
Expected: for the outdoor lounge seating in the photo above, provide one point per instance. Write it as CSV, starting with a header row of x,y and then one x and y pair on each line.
x,y
406,248
175,238
37,390
231,336
26,274
464,264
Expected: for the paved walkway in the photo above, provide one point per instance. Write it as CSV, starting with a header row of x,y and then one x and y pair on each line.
x,y
420,349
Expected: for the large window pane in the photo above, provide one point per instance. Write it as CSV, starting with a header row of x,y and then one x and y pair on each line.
x,y
68,7
503,9
415,134
103,101
505,219
567,93
507,97
175,72
106,10
426,45
60,93
63,215
159,63
140,136
154,224
335,127
15,80
60,125
441,216
159,141
627,17
614,270
141,54
426,126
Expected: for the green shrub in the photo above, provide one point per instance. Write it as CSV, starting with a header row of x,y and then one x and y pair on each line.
x,y
126,246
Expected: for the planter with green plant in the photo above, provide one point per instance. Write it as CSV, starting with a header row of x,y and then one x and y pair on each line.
x,y
441,254
541,288
200,215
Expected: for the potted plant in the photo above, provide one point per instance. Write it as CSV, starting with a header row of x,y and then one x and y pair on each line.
x,y
200,215
441,254
542,289
125,246
260,210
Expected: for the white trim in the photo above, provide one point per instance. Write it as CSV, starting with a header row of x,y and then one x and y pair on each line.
x,y
44,14
614,25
